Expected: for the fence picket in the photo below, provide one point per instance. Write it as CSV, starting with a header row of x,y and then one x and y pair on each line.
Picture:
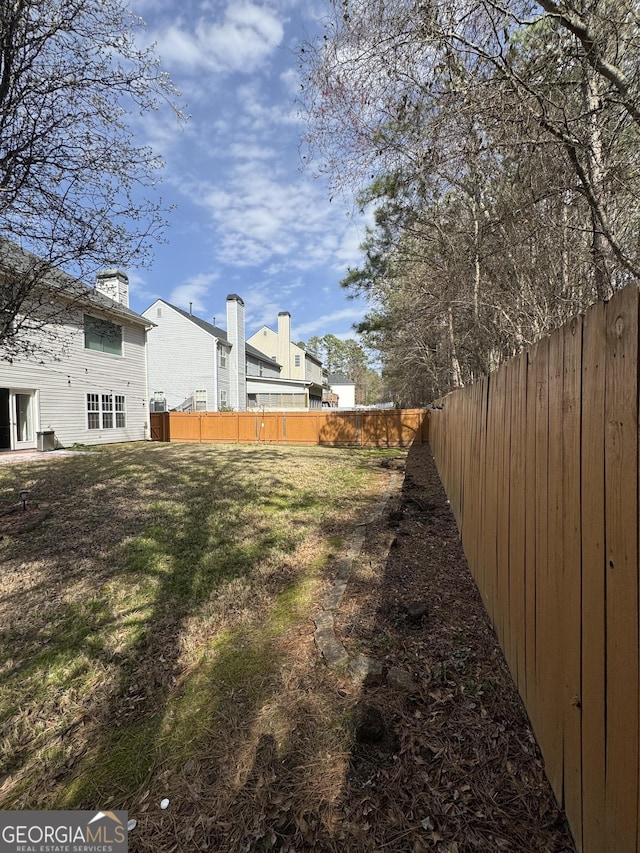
x,y
570,593
621,508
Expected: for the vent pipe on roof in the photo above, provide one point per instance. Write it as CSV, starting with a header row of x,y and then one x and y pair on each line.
x,y
191,308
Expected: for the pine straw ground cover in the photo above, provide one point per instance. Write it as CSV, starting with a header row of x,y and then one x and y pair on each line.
x,y
157,644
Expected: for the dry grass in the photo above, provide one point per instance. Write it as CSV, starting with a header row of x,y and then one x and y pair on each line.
x,y
157,636
157,642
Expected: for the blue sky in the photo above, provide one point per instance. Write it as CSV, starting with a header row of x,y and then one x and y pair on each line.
x,y
249,220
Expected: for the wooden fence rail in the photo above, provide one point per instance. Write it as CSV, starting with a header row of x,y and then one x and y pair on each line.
x,y
540,462
360,428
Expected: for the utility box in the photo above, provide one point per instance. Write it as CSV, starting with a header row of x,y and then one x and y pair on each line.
x,y
46,440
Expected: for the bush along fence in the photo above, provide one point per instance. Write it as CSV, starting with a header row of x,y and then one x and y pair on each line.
x,y
359,428
540,463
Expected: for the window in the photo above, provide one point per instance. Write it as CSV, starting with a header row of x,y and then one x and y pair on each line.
x,y
102,336
101,409
200,401
121,417
159,403
93,411
107,411
224,403
296,361
222,357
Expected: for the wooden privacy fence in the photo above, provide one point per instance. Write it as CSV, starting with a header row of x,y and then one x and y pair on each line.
x,y
360,428
540,463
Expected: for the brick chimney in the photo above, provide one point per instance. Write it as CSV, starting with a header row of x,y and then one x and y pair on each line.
x,y
284,343
115,285
237,356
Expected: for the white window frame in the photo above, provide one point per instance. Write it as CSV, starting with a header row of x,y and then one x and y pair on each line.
x,y
120,409
105,410
200,400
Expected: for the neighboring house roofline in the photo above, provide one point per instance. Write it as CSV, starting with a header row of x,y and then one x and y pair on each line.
x,y
311,356
337,379
212,330
306,383
251,350
15,260
216,332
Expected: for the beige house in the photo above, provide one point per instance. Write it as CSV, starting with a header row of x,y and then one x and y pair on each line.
x,y
296,364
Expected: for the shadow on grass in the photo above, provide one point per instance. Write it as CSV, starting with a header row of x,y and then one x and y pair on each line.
x,y
141,547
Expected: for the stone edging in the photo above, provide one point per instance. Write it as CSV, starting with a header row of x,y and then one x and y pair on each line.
x,y
331,649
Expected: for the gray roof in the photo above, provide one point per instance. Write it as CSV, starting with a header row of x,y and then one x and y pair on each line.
x,y
17,260
207,327
338,379
220,334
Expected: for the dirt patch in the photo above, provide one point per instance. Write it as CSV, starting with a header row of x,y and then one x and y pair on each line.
x,y
445,759
15,519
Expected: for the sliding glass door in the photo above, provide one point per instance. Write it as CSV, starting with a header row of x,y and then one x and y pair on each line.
x,y
18,414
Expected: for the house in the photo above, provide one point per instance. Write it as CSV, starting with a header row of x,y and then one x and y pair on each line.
x,y
344,389
296,363
85,382
194,365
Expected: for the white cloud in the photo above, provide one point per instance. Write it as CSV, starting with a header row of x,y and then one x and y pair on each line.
x,y
192,292
322,323
263,218
242,41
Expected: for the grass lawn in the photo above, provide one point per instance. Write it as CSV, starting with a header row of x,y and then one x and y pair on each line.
x,y
156,629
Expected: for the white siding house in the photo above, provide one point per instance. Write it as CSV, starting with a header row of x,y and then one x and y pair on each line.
x,y
188,361
345,389
193,365
87,384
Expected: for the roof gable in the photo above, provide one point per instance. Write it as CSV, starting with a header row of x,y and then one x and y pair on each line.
x,y
209,328
14,259
216,332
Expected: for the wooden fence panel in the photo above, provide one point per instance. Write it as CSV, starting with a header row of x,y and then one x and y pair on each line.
x,y
303,427
502,472
621,505
540,718
517,508
551,683
531,547
343,429
570,593
159,423
360,428
489,563
545,491
593,638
